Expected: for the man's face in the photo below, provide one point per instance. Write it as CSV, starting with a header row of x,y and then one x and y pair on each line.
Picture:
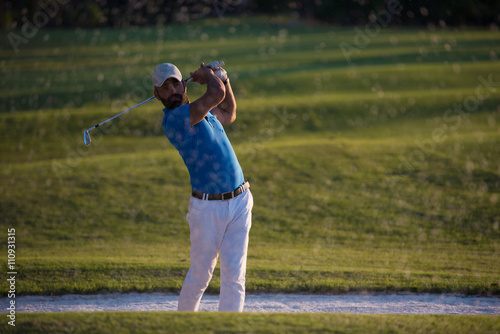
x,y
172,94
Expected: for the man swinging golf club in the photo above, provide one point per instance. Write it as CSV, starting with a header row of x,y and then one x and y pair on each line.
x,y
220,207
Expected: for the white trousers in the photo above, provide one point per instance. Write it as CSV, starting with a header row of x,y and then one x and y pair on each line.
x,y
218,227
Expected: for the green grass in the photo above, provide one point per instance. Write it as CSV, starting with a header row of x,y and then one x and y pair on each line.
x,y
205,322
325,145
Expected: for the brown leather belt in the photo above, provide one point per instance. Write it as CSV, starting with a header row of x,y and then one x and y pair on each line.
x,y
224,196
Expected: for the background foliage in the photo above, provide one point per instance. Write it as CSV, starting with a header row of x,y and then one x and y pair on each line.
x,y
114,13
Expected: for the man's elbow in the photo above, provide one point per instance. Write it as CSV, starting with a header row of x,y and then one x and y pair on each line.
x,y
228,116
232,118
232,114
216,93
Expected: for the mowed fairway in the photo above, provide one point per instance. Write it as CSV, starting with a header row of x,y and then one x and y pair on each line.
x,y
378,174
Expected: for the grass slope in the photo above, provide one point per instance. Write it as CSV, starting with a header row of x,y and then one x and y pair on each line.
x,y
381,174
206,322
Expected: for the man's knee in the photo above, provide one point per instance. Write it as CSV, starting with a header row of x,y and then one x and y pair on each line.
x,y
235,280
200,281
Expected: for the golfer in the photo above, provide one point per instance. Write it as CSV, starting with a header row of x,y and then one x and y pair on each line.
x,y
220,208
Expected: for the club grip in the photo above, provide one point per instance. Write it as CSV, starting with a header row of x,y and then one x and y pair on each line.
x,y
221,64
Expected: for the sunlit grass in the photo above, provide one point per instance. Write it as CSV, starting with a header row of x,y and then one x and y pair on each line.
x,y
352,190
160,322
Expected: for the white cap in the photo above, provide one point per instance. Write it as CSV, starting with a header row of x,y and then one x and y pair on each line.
x,y
163,72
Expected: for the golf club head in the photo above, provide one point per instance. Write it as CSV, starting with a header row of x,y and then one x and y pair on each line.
x,y
86,138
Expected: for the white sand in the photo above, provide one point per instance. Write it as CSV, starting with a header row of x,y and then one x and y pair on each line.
x,y
401,303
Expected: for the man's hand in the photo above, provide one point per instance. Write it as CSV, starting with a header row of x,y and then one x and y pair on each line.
x,y
202,75
221,74
216,66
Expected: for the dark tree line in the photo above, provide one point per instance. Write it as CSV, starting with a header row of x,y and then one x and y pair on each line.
x,y
114,13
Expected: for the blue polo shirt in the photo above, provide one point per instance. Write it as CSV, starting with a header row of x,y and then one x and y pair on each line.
x,y
205,149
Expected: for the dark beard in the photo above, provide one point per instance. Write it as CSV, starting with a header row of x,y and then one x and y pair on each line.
x,y
175,101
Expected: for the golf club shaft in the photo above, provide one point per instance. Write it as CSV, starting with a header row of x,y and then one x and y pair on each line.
x,y
109,119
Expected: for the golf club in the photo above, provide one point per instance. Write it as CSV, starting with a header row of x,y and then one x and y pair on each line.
x,y
86,135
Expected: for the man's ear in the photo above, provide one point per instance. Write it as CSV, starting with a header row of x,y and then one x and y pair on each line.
x,y
185,85
156,95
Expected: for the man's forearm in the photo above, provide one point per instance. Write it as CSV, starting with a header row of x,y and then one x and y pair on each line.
x,y
216,89
213,97
228,105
